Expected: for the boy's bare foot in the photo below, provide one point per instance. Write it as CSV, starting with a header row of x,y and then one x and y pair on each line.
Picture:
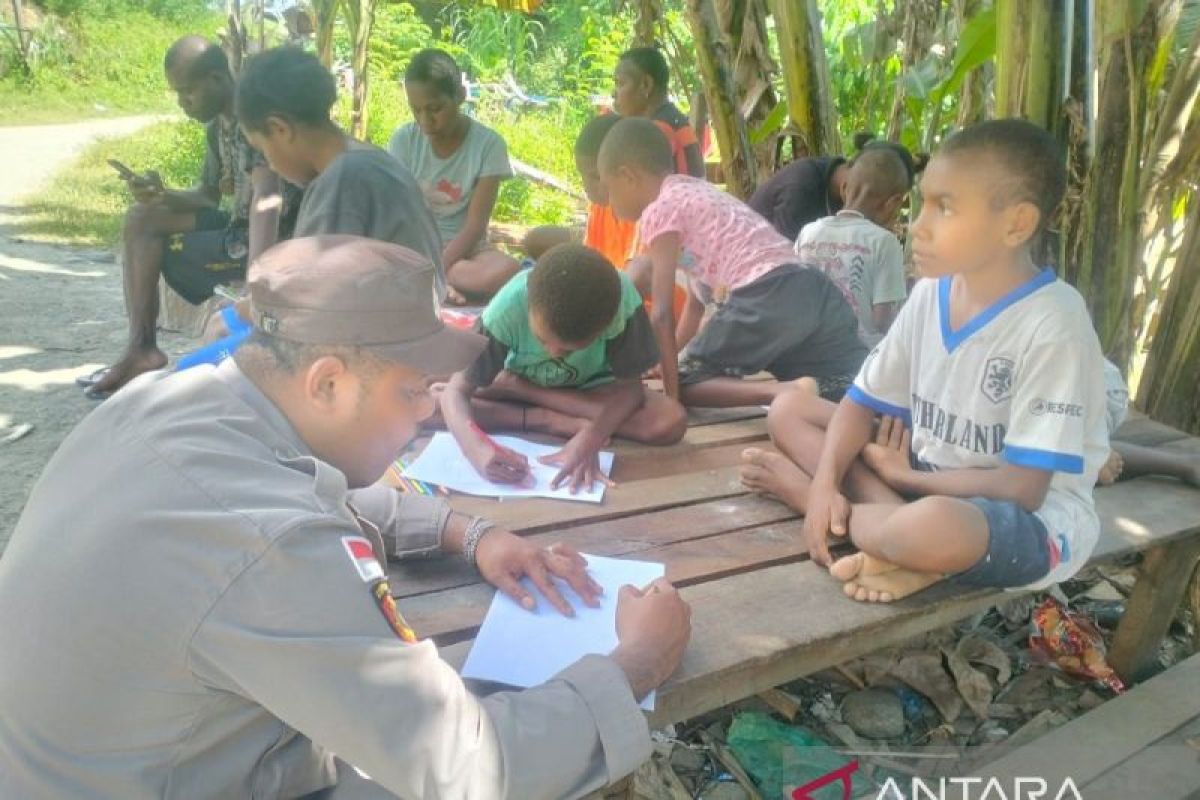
x,y
506,385
806,385
771,473
1112,469
544,420
132,364
873,580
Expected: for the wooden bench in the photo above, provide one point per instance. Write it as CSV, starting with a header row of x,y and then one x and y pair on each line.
x,y
763,614
1143,744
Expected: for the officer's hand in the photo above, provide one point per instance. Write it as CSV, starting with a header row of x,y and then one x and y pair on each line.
x,y
653,628
504,559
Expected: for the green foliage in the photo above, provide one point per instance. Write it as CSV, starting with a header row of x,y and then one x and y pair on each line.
x,y
864,63
542,139
88,63
86,202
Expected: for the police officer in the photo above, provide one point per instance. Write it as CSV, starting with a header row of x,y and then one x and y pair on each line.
x,y
194,602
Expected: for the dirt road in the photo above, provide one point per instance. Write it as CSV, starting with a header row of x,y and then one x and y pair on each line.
x,y
63,312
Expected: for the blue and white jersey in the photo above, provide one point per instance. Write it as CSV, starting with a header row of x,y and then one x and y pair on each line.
x,y
1022,382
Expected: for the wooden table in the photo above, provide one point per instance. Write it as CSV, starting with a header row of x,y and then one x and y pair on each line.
x,y
763,614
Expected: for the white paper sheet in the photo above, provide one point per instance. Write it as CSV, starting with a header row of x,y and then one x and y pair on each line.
x,y
443,463
526,648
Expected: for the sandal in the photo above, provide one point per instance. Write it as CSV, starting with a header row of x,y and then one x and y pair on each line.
x,y
87,381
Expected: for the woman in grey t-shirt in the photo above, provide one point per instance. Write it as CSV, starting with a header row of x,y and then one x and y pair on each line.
x,y
458,163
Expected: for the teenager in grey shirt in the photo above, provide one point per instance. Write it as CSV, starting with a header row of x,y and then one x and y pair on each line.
x,y
283,100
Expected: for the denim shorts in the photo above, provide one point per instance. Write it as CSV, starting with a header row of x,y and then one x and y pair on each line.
x,y
1018,550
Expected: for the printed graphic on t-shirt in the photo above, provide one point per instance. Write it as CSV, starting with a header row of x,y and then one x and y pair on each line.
x,y
998,378
443,196
844,263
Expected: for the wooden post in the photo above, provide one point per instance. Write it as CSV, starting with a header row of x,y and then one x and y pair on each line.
x,y
1162,581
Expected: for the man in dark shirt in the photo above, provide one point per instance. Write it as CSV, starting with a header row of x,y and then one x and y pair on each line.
x,y
803,191
182,235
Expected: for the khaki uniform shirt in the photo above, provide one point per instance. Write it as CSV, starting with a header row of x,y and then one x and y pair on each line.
x,y
185,612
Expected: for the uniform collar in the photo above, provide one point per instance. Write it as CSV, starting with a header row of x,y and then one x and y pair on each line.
x,y
289,449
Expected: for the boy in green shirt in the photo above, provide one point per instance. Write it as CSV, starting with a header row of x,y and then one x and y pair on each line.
x,y
568,342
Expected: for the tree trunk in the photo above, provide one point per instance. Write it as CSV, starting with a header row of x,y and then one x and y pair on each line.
x,y
972,98
325,14
649,12
744,25
806,74
1170,387
360,19
713,58
1104,251
1029,53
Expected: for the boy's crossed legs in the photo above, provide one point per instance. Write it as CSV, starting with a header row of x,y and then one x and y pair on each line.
x,y
514,403
904,546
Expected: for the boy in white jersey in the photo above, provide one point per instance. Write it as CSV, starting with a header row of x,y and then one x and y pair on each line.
x,y
991,391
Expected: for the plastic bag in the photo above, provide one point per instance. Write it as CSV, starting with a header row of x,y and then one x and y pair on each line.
x,y
1072,643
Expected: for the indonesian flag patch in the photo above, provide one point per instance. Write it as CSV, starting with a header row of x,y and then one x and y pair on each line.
x,y
362,556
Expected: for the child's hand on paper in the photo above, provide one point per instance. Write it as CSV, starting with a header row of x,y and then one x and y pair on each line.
x,y
504,559
499,464
578,462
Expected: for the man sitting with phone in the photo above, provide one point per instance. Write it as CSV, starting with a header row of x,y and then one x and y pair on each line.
x,y
182,234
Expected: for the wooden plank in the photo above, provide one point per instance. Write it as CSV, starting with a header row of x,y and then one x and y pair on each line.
x,y
1143,512
678,461
756,630
619,537
628,498
1089,746
738,430
1142,430
711,416
1168,769
1163,578
458,612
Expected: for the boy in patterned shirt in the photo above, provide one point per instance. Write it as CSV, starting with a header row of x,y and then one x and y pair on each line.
x,y
990,389
770,312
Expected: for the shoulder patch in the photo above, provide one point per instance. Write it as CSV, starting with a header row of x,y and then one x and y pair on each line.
x,y
362,556
387,606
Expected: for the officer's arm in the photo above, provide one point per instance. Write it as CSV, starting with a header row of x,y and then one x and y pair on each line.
x,y
300,633
411,525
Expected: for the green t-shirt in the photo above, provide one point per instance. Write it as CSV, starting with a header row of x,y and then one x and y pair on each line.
x,y
625,349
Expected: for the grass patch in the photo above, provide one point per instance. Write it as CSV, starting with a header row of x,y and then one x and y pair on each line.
x,y
98,65
85,203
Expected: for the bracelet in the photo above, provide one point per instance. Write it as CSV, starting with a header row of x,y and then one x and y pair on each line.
x,y
476,528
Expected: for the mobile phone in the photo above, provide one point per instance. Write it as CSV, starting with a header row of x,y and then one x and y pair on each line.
x,y
125,172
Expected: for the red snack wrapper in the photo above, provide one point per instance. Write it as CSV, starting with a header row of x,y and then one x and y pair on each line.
x,y
1072,643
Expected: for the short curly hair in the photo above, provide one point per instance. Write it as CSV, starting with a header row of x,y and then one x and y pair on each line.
x,y
576,291
636,142
1034,162
650,61
284,82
